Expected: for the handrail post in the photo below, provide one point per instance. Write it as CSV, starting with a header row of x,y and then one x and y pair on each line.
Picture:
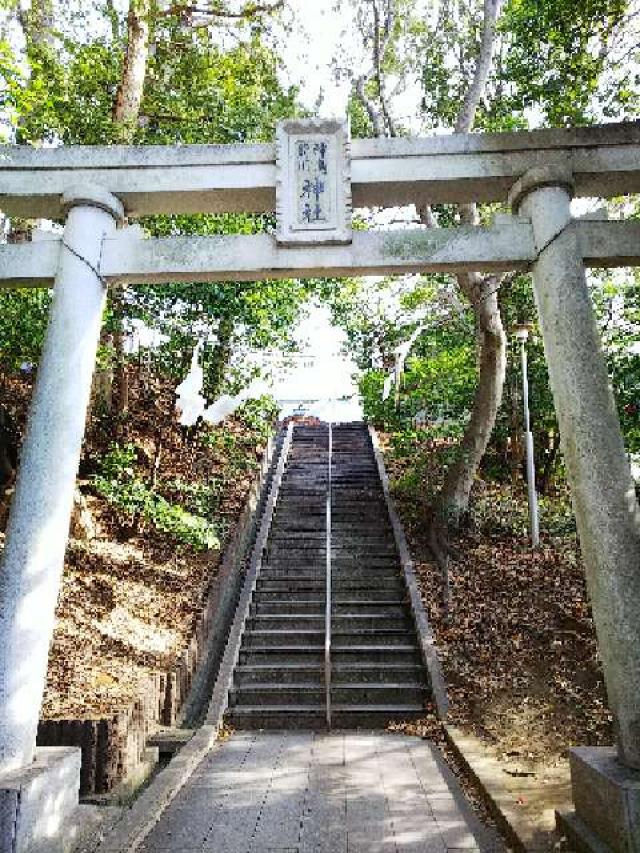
x,y
327,629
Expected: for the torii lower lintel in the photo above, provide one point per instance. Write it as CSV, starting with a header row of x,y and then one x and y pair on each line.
x,y
507,246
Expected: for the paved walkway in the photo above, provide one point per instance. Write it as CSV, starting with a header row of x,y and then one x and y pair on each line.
x,y
304,792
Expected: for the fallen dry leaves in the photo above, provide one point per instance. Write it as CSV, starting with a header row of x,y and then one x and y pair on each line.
x,y
518,649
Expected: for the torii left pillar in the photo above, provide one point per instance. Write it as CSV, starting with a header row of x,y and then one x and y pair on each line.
x,y
38,527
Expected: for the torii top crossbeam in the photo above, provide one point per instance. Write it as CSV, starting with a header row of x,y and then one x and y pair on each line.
x,y
604,160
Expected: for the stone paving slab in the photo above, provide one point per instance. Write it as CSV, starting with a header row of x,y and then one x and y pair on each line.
x,y
306,792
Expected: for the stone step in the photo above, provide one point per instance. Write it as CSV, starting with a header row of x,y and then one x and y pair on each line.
x,y
315,538
291,621
272,694
309,606
374,716
342,588
341,597
283,674
380,607
400,655
383,653
362,673
273,656
347,541
360,528
315,548
313,717
278,717
301,637
316,607
308,637
356,511
319,573
338,565
370,636
366,561
345,492
356,621
305,593
361,582
370,693
348,695
377,673
290,501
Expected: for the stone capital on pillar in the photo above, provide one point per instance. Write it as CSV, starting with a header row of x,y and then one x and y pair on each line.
x,y
541,177
79,195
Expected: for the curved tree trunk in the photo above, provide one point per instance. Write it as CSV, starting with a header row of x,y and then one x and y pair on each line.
x,y
453,500
452,503
482,292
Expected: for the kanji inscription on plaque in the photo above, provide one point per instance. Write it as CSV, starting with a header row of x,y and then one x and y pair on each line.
x,y
313,184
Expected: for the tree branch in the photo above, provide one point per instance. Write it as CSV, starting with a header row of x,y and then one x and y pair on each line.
x,y
380,48
374,116
251,10
112,13
467,114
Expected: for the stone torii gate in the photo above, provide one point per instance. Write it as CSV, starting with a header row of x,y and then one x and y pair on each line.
x,y
311,177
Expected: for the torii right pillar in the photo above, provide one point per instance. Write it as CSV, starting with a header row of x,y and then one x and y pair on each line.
x,y
606,782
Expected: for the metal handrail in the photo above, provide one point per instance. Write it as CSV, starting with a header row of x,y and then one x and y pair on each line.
x,y
327,618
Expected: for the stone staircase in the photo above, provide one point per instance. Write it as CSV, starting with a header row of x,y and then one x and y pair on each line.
x,y
377,672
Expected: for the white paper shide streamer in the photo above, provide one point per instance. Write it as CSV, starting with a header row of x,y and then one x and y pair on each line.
x,y
401,352
192,405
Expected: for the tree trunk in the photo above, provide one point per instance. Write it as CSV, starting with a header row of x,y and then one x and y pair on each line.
x,y
516,459
546,479
37,23
125,114
453,501
128,100
467,114
9,447
120,374
220,359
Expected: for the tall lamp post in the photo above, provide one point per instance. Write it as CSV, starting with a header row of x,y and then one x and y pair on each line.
x,y
522,335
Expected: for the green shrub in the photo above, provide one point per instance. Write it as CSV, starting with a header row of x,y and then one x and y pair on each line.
x,y
118,483
259,415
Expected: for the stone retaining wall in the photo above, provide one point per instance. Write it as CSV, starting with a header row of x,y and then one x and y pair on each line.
x,y
114,747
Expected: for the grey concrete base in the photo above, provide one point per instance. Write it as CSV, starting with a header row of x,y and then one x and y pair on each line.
x,y
607,797
578,834
38,802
